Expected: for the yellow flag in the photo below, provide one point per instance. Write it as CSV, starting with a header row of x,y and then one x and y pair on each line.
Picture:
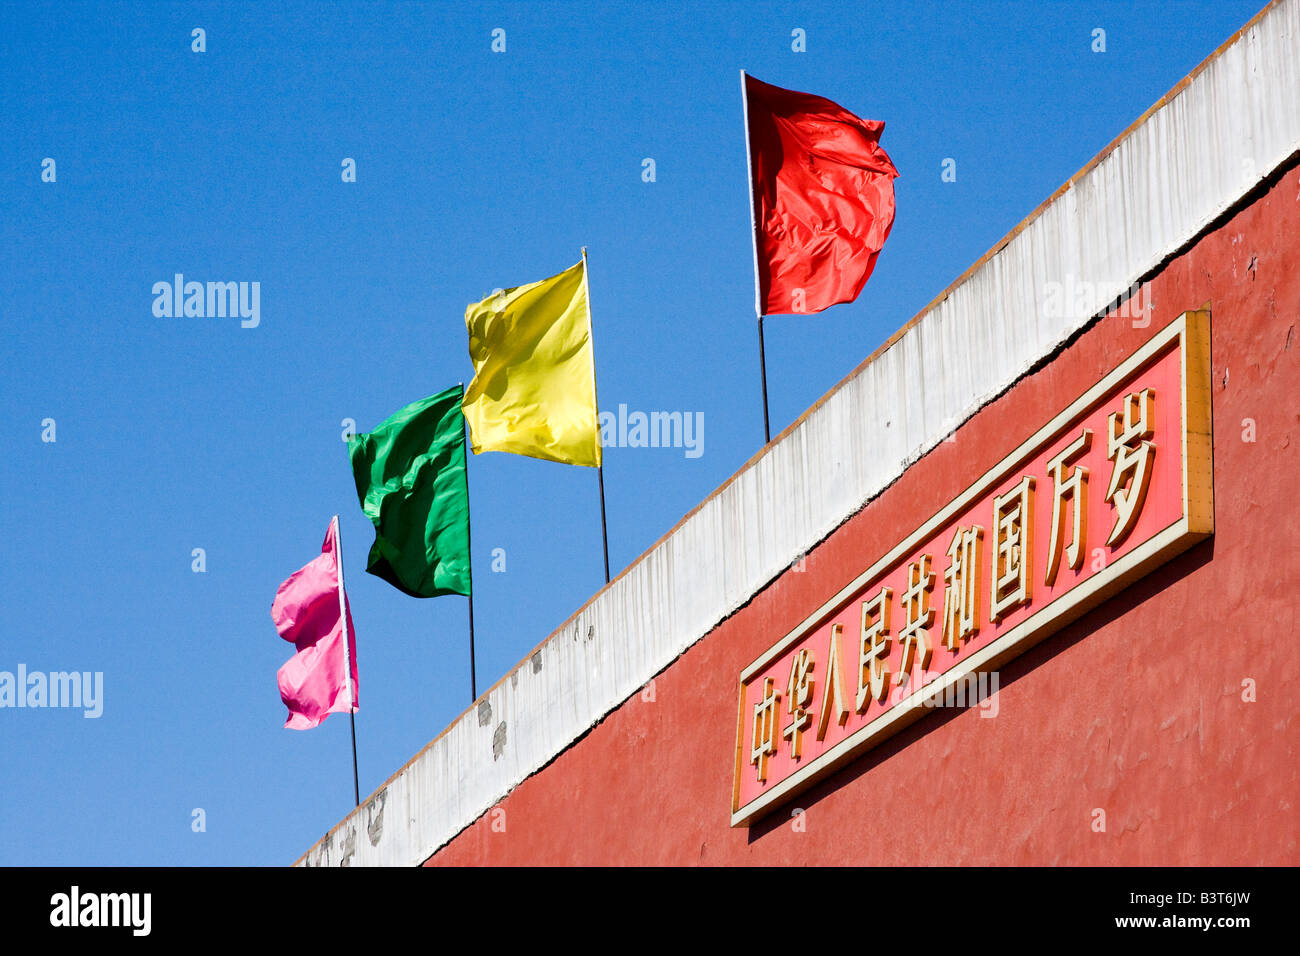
x,y
534,388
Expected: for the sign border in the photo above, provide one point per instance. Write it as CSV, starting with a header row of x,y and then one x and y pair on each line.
x,y
1191,332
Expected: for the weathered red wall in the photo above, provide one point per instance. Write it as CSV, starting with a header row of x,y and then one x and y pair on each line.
x,y
1136,708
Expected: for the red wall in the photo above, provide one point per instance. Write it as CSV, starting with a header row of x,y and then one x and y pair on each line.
x,y
1136,708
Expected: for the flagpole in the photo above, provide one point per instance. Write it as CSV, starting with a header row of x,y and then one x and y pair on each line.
x,y
347,659
473,682
600,469
604,537
762,371
753,235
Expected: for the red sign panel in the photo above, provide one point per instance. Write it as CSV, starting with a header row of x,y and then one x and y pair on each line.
x,y
1116,484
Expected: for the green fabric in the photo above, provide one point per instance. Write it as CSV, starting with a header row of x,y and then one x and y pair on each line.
x,y
411,482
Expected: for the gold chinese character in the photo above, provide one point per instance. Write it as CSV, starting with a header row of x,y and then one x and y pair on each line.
x,y
799,694
764,731
1075,487
961,602
833,696
918,617
1127,447
1013,539
873,649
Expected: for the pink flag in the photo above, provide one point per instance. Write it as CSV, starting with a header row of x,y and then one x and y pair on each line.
x,y
311,610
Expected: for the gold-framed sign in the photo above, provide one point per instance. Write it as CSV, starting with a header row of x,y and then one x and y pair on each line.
x,y
1118,483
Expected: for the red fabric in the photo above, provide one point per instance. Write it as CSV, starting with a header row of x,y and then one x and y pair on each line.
x,y
823,198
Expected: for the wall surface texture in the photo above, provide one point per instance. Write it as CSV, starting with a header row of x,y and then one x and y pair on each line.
x,y
1213,139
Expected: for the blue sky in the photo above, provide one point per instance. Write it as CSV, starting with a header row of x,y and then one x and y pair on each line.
x,y
475,170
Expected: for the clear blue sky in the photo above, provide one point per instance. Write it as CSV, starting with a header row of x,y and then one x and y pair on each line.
x,y
475,170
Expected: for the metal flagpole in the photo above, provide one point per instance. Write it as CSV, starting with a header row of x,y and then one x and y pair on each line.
x,y
762,371
347,659
604,536
753,235
473,682
600,469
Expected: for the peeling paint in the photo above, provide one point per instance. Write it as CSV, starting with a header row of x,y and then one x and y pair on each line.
x,y
349,847
499,740
375,816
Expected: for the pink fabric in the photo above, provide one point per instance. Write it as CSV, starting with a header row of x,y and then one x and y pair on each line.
x,y
306,612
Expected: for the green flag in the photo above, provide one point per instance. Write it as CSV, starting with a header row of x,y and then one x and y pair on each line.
x,y
410,475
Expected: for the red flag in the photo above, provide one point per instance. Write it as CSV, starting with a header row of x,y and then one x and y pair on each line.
x,y
823,194
310,609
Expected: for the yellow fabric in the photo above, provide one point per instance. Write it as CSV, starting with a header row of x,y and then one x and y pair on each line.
x,y
534,388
